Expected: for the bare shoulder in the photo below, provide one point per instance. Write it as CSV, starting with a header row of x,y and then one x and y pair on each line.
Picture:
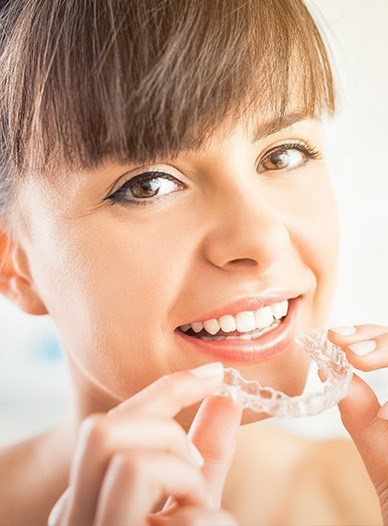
x,y
15,460
337,468
291,479
340,464
26,486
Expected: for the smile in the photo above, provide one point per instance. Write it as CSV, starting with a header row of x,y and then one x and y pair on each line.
x,y
253,336
246,325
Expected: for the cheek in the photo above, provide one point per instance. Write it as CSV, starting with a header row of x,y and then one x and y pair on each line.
x,y
109,286
110,282
315,229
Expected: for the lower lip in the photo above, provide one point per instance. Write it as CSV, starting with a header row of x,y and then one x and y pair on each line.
x,y
250,351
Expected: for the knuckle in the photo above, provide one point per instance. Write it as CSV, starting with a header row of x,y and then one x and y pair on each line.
x,y
177,429
171,384
131,466
94,430
168,383
177,437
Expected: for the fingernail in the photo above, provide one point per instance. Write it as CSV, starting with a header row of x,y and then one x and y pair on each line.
x,y
362,348
209,369
344,331
196,455
383,413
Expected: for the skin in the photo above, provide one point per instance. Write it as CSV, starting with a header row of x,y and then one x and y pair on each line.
x,y
117,280
207,233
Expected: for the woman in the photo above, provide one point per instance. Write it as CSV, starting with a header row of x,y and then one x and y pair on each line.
x,y
162,185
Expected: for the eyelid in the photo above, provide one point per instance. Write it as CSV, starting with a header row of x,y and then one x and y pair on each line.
x,y
116,197
289,145
146,170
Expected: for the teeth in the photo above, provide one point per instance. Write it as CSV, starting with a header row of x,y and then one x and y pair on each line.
x,y
277,310
197,326
228,323
264,317
245,321
251,336
212,326
285,307
245,337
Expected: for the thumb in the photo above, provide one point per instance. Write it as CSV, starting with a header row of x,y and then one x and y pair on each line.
x,y
214,432
359,414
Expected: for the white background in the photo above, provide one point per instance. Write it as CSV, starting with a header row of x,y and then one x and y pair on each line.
x,y
34,385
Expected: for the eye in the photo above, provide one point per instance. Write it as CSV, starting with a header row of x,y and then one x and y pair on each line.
x,y
288,156
145,187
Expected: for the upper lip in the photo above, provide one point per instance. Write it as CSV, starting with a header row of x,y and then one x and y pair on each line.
x,y
250,303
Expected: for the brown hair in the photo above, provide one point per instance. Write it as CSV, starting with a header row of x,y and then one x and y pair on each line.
x,y
82,80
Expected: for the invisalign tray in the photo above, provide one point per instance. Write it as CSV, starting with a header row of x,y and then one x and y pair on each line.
x,y
331,360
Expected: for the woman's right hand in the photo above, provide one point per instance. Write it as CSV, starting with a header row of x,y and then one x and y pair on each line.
x,y
126,462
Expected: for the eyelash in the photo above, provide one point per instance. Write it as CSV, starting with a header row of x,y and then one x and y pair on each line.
x,y
310,152
117,197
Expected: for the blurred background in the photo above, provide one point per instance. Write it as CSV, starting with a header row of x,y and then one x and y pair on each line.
x,y
34,385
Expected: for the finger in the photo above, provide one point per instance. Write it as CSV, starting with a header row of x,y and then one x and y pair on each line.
x,y
214,431
366,348
166,397
173,392
59,510
359,414
134,484
101,437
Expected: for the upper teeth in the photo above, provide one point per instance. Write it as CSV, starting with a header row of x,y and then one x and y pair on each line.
x,y
243,321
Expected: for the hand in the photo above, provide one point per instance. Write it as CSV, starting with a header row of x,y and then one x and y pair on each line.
x,y
361,413
126,462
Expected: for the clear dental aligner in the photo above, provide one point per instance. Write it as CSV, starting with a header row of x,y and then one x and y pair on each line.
x,y
331,360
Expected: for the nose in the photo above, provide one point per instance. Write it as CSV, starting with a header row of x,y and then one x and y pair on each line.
x,y
246,233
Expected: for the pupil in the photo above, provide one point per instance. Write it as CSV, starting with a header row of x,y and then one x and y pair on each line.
x,y
150,187
280,159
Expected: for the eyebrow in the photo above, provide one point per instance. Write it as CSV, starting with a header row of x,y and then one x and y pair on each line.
x,y
266,128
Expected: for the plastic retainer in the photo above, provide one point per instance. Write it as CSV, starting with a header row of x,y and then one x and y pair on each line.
x,y
331,360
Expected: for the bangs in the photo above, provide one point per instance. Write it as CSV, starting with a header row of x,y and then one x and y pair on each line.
x,y
86,80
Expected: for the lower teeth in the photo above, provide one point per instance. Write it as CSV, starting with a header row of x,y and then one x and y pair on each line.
x,y
251,336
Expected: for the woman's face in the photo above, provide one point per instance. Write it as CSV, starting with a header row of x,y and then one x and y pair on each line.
x,y
118,278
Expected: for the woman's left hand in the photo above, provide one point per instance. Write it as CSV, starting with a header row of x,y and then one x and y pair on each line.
x,y
366,348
